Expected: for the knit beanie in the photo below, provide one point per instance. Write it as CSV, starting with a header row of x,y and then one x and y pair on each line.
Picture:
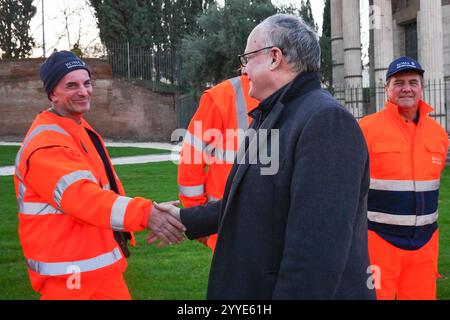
x,y
57,66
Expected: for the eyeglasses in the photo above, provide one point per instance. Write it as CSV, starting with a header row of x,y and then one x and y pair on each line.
x,y
243,58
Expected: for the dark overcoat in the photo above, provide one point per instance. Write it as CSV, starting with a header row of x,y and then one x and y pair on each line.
x,y
295,228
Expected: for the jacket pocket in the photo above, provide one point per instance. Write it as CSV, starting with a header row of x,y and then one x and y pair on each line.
x,y
385,158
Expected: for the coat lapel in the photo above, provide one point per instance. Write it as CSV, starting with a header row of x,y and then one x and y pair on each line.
x,y
246,157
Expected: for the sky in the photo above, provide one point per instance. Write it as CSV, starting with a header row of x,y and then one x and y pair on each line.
x,y
70,21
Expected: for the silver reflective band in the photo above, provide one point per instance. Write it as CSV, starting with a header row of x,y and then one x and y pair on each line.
x,y
34,133
211,198
106,187
241,105
68,180
195,142
63,268
37,209
402,220
192,191
118,213
404,185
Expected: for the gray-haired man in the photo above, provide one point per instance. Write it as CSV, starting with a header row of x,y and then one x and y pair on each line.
x,y
299,232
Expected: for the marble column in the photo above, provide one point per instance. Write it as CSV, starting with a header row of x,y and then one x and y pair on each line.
x,y
431,54
352,57
384,49
337,50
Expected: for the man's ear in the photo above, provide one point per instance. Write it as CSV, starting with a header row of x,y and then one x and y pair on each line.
x,y
52,96
276,56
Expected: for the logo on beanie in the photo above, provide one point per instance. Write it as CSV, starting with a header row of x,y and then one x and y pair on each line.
x,y
74,63
406,64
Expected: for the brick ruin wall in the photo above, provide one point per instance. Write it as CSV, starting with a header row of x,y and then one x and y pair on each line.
x,y
120,110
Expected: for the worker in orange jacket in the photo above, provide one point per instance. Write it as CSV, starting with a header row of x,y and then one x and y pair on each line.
x,y
74,217
408,152
212,141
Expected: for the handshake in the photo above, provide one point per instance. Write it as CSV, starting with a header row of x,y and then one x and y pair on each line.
x,y
165,224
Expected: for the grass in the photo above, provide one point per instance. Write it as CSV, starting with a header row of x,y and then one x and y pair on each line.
x,y
176,272
8,153
116,152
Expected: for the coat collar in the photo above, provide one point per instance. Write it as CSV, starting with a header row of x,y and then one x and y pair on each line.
x,y
392,109
302,83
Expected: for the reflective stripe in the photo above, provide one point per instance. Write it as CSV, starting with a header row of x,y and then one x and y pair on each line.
x,y
37,209
106,187
241,105
68,180
199,145
34,133
63,268
402,220
404,185
211,198
118,213
192,191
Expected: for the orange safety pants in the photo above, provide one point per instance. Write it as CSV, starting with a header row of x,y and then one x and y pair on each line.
x,y
404,274
108,288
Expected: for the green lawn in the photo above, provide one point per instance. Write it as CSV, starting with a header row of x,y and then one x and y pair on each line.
x,y
116,152
8,153
176,272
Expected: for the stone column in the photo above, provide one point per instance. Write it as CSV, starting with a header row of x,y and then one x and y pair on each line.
x,y
431,54
384,49
337,50
352,57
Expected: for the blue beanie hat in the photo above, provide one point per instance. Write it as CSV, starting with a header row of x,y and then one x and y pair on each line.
x,y
57,66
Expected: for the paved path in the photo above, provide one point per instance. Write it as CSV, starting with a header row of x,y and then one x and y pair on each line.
x,y
172,154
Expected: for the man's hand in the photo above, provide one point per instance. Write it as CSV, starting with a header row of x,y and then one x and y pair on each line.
x,y
164,224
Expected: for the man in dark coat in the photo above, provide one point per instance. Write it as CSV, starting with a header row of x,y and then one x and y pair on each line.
x,y
295,228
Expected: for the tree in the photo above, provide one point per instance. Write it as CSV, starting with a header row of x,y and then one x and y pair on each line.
x,y
159,24
306,14
210,54
15,17
325,46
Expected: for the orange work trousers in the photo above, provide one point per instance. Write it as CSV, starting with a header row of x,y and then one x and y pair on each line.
x,y
404,274
108,288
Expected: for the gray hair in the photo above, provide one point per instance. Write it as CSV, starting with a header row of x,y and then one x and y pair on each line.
x,y
298,41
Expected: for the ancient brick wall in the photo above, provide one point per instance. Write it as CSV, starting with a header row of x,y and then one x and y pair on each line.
x,y
120,110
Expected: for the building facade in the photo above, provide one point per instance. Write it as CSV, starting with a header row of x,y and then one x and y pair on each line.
x,y
416,28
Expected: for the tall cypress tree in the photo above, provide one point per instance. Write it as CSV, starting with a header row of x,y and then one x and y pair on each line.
x,y
15,17
306,14
325,45
210,55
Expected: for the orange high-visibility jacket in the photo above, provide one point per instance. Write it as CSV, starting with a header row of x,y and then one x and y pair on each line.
x,y
208,151
67,212
405,175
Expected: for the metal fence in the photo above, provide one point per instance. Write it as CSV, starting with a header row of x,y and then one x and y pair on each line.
x,y
143,63
159,69
162,71
363,101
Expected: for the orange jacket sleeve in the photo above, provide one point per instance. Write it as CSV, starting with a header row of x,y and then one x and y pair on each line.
x,y
63,179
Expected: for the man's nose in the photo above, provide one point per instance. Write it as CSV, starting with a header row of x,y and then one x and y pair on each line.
x,y
406,87
83,91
